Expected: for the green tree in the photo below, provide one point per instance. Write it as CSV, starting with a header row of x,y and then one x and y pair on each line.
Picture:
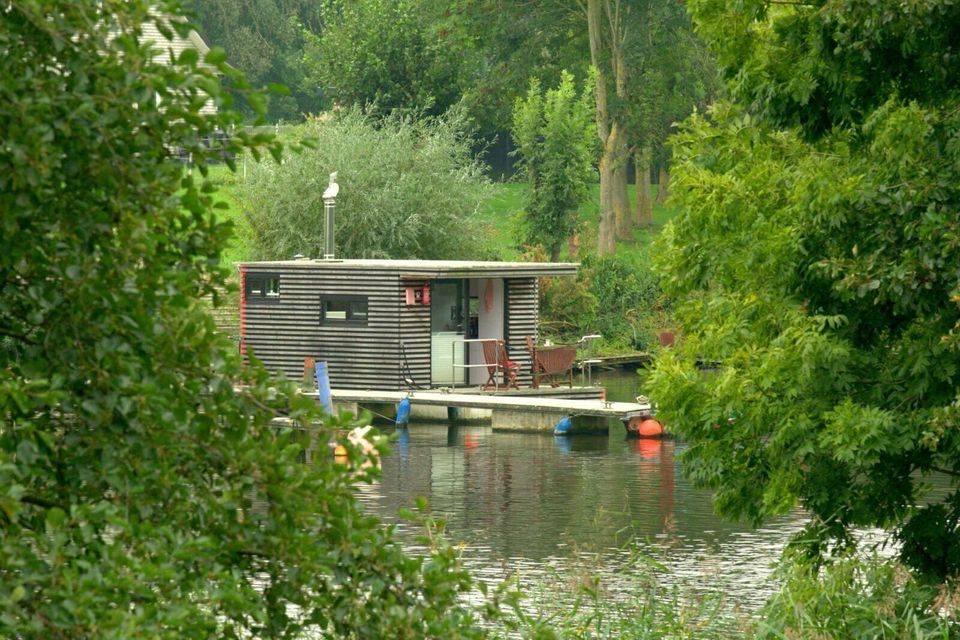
x,y
266,39
556,138
671,74
512,42
143,491
387,55
409,189
816,260
650,69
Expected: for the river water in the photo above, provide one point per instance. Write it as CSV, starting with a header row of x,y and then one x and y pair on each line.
x,y
548,509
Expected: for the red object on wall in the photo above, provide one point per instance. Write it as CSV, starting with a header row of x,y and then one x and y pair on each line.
x,y
426,293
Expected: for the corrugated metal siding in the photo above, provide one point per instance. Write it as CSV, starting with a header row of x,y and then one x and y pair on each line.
x,y
358,356
441,269
522,318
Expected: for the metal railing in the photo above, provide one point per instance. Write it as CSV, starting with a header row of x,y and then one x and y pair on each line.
x,y
586,364
466,377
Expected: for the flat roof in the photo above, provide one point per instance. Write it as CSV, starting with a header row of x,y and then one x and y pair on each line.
x,y
425,268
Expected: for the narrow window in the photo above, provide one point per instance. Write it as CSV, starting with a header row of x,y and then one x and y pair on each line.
x,y
343,309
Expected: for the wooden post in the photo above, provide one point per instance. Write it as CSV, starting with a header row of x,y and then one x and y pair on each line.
x,y
309,368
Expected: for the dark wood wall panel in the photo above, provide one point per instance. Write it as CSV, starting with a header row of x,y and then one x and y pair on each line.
x,y
358,356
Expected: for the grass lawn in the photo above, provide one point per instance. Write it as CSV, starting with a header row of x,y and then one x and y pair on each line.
x,y
499,212
226,181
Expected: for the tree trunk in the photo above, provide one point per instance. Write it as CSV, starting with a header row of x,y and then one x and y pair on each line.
x,y
614,202
641,162
555,252
663,185
621,196
573,245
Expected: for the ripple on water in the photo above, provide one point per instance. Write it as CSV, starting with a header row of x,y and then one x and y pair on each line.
x,y
553,510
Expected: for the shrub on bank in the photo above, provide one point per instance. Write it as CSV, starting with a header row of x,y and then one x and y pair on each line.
x,y
408,189
615,296
851,597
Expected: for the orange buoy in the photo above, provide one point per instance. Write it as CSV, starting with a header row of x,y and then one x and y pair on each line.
x,y
644,427
340,451
650,428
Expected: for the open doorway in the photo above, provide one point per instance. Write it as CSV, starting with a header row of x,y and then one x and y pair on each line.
x,y
486,295
448,325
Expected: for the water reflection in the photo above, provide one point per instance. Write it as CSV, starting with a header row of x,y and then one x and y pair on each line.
x,y
534,502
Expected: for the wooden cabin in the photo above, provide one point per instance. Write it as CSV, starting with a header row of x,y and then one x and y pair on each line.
x,y
390,324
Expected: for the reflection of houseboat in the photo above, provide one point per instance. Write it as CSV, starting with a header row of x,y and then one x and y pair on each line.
x,y
390,324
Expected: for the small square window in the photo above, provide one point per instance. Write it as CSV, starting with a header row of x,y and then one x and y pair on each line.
x,y
272,288
261,288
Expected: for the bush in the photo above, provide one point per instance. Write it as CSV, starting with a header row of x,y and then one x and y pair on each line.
x,y
144,491
852,597
408,189
613,296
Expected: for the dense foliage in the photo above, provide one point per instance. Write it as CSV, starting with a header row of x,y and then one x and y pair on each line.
x,y
556,144
857,595
614,296
817,259
409,189
510,43
266,40
387,55
143,493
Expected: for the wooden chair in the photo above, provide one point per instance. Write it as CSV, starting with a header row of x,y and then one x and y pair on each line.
x,y
551,364
534,365
495,357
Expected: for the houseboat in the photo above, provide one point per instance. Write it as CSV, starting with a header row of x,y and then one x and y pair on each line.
x,y
391,325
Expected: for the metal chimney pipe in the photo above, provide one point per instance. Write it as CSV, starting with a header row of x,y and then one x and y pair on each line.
x,y
329,207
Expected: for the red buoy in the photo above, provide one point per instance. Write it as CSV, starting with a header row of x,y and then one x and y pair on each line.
x,y
650,428
644,427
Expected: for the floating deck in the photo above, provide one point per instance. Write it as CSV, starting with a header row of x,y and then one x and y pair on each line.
x,y
639,359
506,412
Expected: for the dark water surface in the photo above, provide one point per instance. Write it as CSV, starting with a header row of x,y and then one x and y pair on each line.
x,y
545,507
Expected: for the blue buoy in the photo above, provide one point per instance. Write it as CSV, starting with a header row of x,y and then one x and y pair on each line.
x,y
323,386
564,427
403,413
